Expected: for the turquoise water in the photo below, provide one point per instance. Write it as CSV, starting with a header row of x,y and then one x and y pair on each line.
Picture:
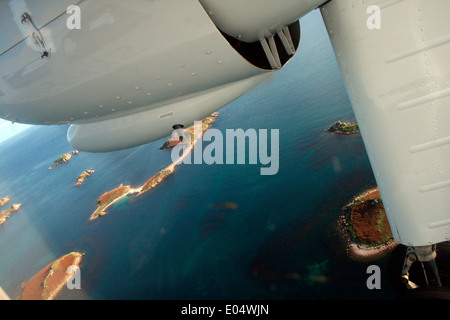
x,y
175,242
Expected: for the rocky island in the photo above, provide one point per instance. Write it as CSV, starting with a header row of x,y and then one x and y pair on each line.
x,y
83,176
111,197
63,159
344,128
366,227
4,201
5,214
49,282
169,144
206,123
154,181
107,199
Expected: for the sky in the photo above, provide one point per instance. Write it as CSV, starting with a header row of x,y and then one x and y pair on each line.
x,y
7,129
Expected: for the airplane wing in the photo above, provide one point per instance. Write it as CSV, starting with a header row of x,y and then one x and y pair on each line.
x,y
132,72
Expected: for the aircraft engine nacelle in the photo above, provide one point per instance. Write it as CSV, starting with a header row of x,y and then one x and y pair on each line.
x,y
267,35
254,20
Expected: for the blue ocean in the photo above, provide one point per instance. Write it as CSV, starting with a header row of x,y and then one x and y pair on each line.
x,y
279,240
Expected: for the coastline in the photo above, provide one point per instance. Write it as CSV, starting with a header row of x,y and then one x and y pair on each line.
x,y
156,179
82,177
5,214
344,128
4,201
49,282
63,159
117,194
361,253
357,251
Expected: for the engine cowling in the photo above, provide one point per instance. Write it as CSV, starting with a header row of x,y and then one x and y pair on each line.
x,y
255,20
266,35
